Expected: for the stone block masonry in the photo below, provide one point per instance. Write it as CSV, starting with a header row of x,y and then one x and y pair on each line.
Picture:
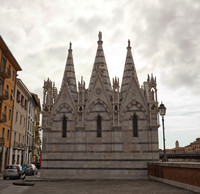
x,y
102,132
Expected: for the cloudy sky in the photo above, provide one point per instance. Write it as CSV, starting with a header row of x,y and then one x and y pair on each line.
x,y
165,39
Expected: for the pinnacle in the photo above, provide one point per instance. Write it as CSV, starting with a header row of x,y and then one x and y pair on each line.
x,y
70,46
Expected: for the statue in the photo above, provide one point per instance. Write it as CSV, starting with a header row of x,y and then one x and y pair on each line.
x,y
100,35
129,43
70,45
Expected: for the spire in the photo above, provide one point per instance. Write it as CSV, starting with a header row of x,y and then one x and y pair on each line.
x,y
100,67
69,77
129,70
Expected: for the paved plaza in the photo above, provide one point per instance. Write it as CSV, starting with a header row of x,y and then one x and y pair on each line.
x,y
94,187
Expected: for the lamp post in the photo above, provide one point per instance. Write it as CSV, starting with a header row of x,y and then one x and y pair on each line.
x,y
162,110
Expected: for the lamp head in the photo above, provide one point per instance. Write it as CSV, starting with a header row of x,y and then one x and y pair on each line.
x,y
162,109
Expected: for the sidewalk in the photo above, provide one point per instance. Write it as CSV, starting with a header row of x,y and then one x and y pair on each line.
x,y
92,187
104,187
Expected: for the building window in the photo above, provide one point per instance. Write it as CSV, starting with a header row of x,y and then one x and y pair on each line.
x,y
13,76
15,136
20,119
3,132
1,87
16,117
7,88
5,110
99,126
64,126
9,114
135,125
25,106
3,63
18,96
11,95
22,101
8,135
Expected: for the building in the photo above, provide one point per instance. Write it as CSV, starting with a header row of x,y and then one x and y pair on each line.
x,y
8,72
37,140
193,147
102,131
18,137
176,150
30,130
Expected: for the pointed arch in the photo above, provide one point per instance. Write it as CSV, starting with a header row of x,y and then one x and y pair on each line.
x,y
99,125
135,125
98,102
64,126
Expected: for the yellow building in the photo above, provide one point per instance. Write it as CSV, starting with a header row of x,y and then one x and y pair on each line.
x,y
194,147
8,71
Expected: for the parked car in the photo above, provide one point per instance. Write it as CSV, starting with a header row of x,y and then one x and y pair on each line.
x,y
30,169
37,165
13,171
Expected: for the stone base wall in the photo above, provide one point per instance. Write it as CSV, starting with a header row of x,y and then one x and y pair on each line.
x,y
89,173
82,155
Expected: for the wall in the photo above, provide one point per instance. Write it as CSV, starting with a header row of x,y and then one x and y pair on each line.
x,y
181,174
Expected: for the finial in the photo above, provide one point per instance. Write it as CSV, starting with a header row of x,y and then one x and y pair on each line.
x,y
70,45
152,77
129,43
100,36
148,78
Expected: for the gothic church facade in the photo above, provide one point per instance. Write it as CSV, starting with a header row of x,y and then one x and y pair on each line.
x,y
104,131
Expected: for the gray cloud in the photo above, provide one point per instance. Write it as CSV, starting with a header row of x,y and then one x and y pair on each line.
x,y
164,35
168,37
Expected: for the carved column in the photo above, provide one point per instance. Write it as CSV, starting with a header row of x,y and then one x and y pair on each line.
x,y
115,101
81,103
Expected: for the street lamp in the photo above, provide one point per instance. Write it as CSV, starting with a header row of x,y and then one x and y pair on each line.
x,y
162,110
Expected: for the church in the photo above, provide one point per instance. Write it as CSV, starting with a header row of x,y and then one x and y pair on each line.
x,y
106,131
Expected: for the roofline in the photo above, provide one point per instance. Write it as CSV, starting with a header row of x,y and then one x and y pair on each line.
x,y
9,54
35,100
21,83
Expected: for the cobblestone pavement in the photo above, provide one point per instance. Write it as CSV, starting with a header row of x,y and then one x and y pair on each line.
x,y
103,186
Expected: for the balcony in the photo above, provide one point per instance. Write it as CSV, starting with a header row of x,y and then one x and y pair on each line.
x,y
3,118
6,73
22,146
2,141
16,145
4,95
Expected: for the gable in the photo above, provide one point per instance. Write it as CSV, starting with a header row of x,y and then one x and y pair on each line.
x,y
133,94
97,94
64,97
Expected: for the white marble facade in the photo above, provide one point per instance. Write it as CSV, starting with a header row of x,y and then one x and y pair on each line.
x,y
104,131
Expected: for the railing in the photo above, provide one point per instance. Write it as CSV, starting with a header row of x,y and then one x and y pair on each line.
x,y
4,95
16,145
31,148
186,157
6,73
3,118
2,141
22,146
